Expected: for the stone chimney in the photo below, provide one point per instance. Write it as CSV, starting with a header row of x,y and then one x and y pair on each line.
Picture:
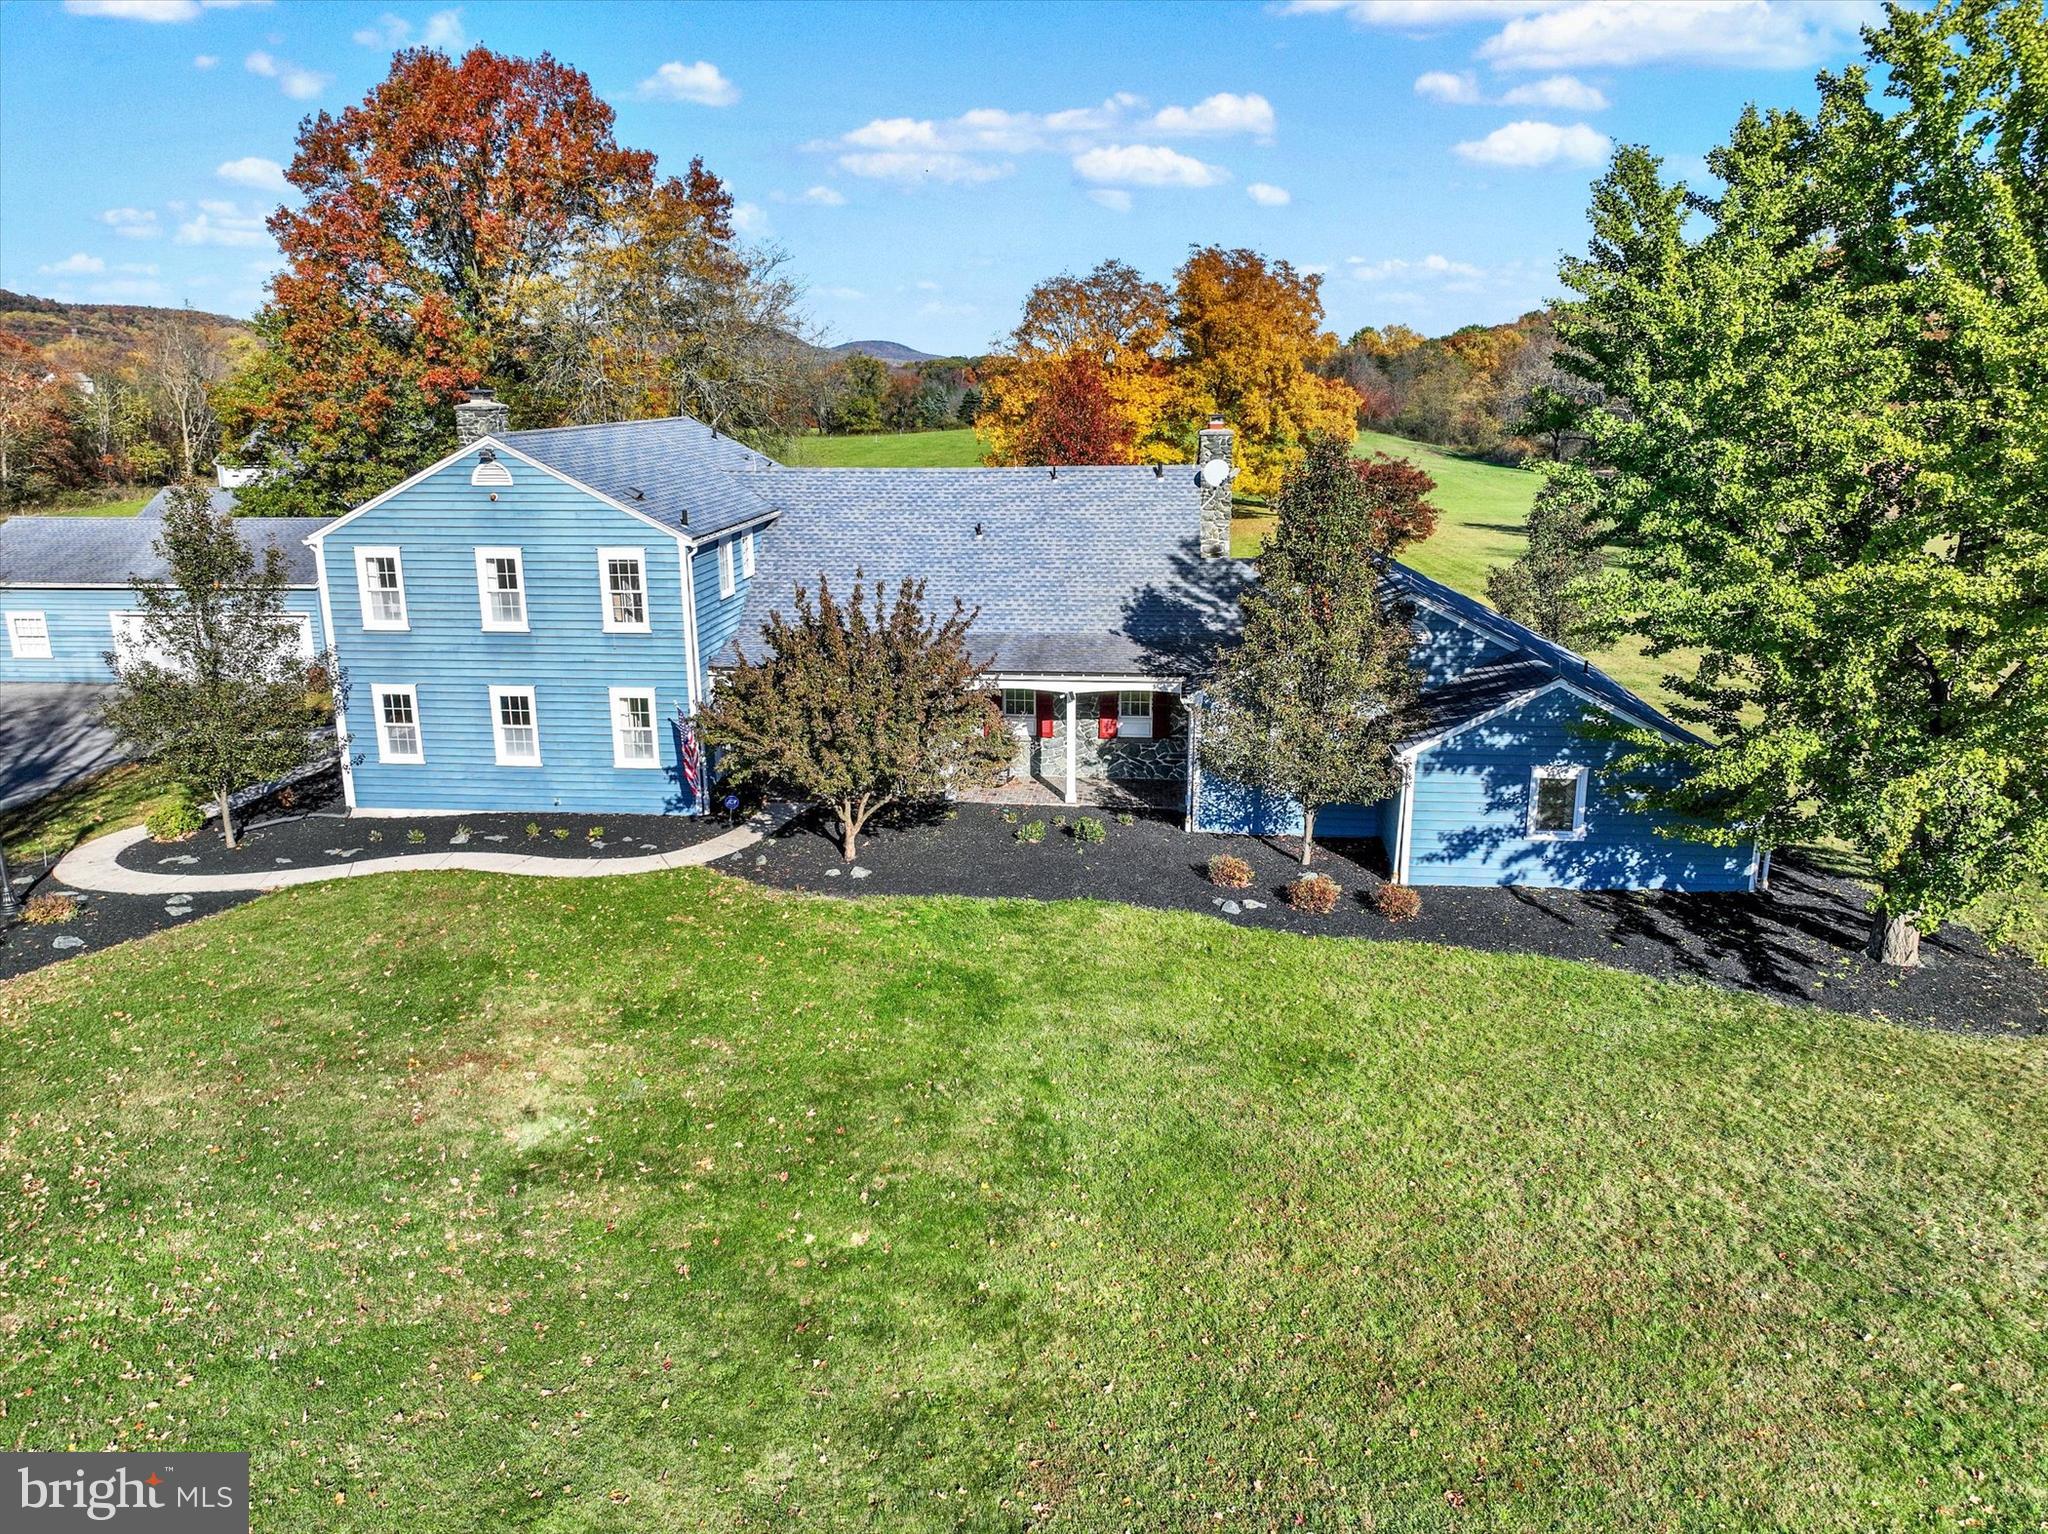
x,y
480,415
1214,446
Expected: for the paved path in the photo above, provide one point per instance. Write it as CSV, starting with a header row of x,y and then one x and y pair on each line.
x,y
50,734
92,865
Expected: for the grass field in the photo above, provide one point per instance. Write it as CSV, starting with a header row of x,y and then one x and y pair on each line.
x,y
128,506
671,1203
890,450
109,800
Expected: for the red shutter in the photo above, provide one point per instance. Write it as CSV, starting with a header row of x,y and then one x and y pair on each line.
x,y
1162,715
1106,717
1045,716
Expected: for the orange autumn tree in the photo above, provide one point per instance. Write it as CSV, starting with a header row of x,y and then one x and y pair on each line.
x,y
1251,334
1123,325
429,207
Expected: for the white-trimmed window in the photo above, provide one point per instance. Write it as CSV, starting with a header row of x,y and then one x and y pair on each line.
x,y
634,742
747,553
725,580
398,724
1557,802
380,582
1134,715
515,726
622,585
28,636
501,590
1020,703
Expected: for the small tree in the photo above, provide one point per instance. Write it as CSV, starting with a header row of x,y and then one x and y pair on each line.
x,y
1076,420
1547,587
859,707
1320,689
218,695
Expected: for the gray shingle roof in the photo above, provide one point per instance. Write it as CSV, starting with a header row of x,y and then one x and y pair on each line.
x,y
107,551
678,471
1092,570
218,500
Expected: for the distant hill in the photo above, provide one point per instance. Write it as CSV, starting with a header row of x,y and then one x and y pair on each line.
x,y
887,351
42,321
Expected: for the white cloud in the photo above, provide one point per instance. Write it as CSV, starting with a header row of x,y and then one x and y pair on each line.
x,y
701,82
152,10
825,197
1220,113
1534,143
1266,195
1419,15
132,223
912,167
297,83
72,265
443,29
1755,34
205,60
222,223
1430,266
254,170
844,295
749,218
1113,198
1145,165
1563,93
1460,90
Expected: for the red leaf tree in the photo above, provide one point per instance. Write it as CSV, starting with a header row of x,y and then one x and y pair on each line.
x,y
1076,419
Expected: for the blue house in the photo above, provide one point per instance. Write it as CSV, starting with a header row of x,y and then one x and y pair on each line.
x,y
526,624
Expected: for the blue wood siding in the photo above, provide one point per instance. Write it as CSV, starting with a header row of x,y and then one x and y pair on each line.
x,y
1234,810
565,656
1447,649
718,618
81,630
1471,816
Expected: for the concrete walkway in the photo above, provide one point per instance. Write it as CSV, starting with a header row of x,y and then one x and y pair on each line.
x,y
92,865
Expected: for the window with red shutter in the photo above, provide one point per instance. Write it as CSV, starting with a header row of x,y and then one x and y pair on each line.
x,y
1045,716
1105,717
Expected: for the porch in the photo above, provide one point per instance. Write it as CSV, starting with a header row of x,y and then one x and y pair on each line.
x,y
1114,743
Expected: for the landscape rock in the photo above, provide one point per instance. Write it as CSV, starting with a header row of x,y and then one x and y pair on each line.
x,y
67,941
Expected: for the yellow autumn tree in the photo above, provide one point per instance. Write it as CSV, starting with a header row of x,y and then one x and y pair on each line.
x,y
1251,339
1121,321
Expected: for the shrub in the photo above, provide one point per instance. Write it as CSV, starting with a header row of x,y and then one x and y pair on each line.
x,y
1009,817
1126,818
48,910
1230,873
533,828
561,833
1313,894
594,832
1397,902
415,836
174,820
1090,830
376,836
1031,831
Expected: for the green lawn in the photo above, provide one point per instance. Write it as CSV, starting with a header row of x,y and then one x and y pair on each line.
x,y
108,800
128,506
958,449
673,1203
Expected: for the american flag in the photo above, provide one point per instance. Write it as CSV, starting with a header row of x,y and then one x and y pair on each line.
x,y
691,756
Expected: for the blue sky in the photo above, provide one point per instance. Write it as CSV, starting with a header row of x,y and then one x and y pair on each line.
x,y
924,164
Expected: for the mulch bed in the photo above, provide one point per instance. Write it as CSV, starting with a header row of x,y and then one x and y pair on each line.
x,y
101,922
1800,941
314,829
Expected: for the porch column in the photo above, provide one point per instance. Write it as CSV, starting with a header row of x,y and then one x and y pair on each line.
x,y
1073,732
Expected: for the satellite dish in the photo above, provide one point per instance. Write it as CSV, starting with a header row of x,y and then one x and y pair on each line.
x,y
1215,472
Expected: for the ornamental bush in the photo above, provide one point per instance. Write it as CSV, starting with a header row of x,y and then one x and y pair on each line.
x,y
1397,902
173,820
1313,894
1089,830
1032,831
49,910
1230,873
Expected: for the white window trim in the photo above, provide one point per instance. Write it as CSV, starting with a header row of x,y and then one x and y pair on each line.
x,y
747,553
364,554
498,726
1554,770
726,587
604,591
14,642
484,589
1126,720
379,691
617,696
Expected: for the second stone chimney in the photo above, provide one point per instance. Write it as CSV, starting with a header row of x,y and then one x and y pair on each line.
x,y
1212,485
482,414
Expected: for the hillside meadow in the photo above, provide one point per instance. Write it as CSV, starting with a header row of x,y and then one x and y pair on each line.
x,y
671,1202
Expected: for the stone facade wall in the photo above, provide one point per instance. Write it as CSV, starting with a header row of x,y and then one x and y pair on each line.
x,y
1162,758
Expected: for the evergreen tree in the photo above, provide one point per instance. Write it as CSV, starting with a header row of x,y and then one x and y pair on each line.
x,y
1546,588
1320,688
218,693
1823,425
860,707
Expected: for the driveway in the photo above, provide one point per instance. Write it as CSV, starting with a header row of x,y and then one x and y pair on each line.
x,y
50,733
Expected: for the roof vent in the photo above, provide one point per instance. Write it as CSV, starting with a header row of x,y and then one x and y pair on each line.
x,y
1159,471
980,531
1055,471
489,472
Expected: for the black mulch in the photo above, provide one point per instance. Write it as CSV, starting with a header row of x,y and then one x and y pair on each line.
x,y
1799,942
314,829
100,922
